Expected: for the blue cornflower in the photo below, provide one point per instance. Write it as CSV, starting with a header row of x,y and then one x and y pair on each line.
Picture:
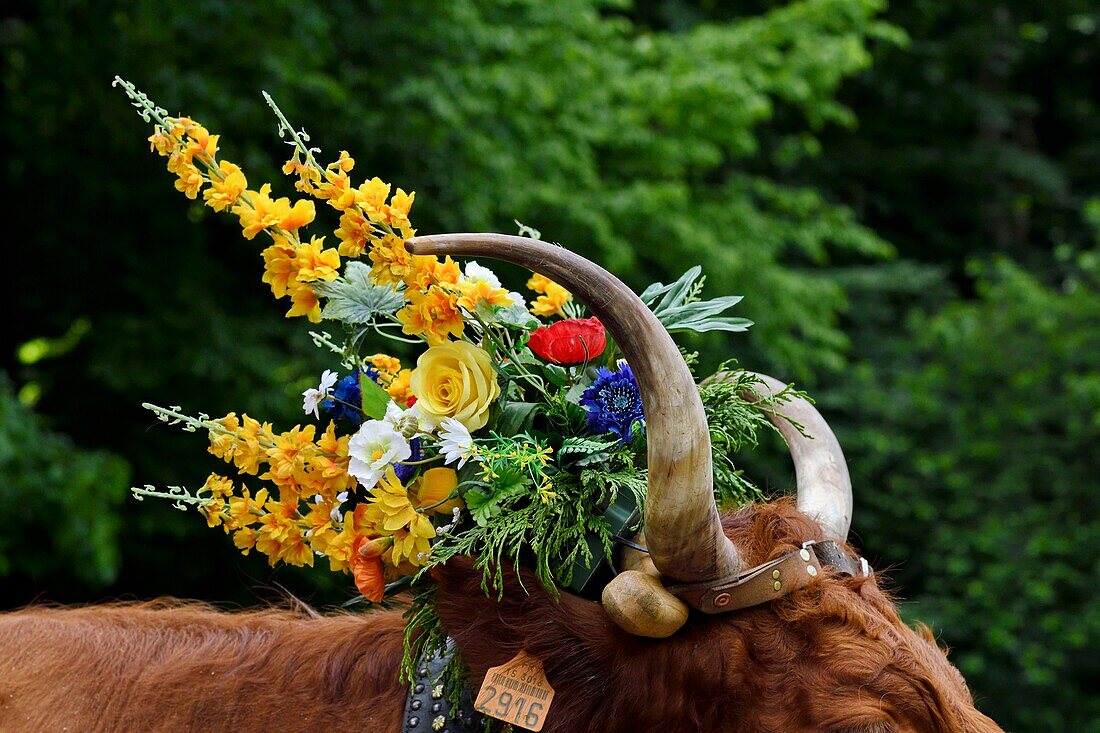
x,y
348,391
613,403
404,473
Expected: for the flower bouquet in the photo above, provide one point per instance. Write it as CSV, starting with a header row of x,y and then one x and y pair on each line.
x,y
517,436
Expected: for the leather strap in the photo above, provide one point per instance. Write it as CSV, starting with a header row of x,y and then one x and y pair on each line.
x,y
771,580
428,711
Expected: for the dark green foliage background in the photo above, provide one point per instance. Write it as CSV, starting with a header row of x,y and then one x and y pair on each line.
x,y
907,196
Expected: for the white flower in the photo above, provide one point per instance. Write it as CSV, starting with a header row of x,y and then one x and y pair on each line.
x,y
312,398
456,443
412,419
427,423
394,415
518,300
374,447
477,274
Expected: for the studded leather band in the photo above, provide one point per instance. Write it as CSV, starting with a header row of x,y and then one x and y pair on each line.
x,y
426,708
771,580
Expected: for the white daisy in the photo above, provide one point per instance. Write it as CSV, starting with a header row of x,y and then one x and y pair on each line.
x,y
374,447
456,443
312,398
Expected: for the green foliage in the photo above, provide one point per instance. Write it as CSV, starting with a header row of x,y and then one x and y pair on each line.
x,y
734,424
60,501
353,298
980,444
679,308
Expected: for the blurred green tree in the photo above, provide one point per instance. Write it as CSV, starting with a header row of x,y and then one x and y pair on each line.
x,y
604,135
960,375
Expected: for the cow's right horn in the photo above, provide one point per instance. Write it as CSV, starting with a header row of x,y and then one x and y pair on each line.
x,y
683,530
824,486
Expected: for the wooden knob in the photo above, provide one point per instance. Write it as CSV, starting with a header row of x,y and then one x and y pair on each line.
x,y
640,605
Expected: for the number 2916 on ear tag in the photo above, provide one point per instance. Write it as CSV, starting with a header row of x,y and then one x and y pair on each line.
x,y
516,692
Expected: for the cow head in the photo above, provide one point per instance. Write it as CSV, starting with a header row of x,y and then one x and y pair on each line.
x,y
831,656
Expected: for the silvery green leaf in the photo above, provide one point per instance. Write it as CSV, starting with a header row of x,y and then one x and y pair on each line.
x,y
713,324
674,294
353,298
678,309
516,316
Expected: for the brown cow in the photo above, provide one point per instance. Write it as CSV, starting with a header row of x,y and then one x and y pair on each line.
x,y
830,655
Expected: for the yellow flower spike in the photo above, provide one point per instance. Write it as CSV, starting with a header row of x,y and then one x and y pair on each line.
x,y
289,455
217,486
315,263
372,197
337,189
245,510
553,298
432,314
390,261
245,540
345,162
305,303
226,190
190,181
433,487
280,266
161,143
354,234
241,443
479,290
260,215
390,510
397,213
400,388
293,218
387,366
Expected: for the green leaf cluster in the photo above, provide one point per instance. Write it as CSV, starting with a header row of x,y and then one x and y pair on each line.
x,y
679,308
353,298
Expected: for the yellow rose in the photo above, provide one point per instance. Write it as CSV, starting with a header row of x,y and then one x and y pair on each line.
x,y
455,379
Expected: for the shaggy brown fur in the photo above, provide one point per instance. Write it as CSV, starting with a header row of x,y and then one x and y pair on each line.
x,y
832,657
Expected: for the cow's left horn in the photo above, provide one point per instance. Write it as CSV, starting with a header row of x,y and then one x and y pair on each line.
x,y
683,530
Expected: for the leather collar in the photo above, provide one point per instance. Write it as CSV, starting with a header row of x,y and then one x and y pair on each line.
x,y
427,710
770,580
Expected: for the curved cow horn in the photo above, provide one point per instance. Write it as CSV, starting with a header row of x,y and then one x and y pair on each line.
x,y
683,530
824,486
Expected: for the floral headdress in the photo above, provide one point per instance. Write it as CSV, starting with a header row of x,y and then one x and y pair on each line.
x,y
517,426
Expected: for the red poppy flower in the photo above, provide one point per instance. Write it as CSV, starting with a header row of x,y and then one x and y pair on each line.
x,y
569,342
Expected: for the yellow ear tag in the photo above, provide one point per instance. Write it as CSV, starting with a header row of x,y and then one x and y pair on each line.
x,y
517,693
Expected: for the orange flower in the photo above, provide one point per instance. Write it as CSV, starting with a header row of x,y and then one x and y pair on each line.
x,y
225,191
367,571
315,263
190,181
372,197
553,298
400,388
390,261
433,314
305,303
266,213
354,234
398,210
280,267
289,456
